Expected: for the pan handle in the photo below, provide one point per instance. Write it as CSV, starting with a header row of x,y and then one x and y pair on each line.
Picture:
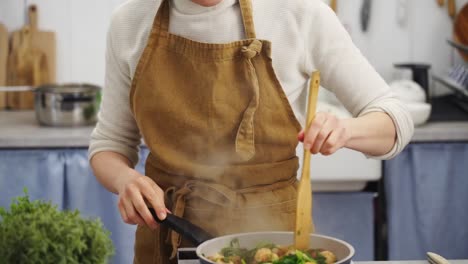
x,y
191,232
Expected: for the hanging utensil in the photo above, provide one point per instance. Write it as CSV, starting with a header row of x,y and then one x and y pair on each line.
x,y
304,222
452,8
402,12
441,2
365,14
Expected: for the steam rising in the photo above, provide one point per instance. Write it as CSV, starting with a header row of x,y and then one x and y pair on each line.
x,y
222,211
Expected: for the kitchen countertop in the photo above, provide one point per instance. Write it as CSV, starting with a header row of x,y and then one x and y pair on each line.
x,y
409,262
19,129
189,257
441,131
359,262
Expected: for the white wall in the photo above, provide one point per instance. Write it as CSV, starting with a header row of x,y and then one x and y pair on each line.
x,y
81,30
421,39
81,27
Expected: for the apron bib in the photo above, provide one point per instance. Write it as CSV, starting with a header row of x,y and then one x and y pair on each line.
x,y
221,134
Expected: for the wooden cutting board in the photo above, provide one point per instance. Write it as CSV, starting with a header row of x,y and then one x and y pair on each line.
x,y
44,41
32,61
26,66
3,62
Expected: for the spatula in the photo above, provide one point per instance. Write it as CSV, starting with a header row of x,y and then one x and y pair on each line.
x,y
304,193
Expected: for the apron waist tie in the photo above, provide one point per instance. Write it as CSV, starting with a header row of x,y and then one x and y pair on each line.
x,y
214,193
245,145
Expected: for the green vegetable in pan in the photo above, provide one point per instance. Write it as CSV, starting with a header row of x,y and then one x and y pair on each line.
x,y
269,253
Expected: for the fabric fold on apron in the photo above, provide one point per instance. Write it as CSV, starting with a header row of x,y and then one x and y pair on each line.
x,y
245,139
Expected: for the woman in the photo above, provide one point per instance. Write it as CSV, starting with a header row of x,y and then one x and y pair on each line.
x,y
214,87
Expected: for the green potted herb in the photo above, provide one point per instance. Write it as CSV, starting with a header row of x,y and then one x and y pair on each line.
x,y
37,232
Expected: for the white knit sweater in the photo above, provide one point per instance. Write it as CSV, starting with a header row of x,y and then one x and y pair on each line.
x,y
306,35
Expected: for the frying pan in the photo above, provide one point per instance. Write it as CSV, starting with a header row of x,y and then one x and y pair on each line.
x,y
207,245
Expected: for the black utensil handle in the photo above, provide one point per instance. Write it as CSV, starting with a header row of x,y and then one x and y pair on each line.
x,y
191,232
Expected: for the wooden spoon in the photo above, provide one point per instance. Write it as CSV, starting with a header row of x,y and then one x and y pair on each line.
x,y
304,222
441,2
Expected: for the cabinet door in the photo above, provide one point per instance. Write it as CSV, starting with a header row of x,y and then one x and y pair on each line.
x,y
427,201
347,216
83,192
40,171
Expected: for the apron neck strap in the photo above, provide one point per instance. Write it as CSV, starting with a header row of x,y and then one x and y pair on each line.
x,y
247,18
162,18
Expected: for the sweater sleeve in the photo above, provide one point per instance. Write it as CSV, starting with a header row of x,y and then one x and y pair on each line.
x,y
347,73
116,129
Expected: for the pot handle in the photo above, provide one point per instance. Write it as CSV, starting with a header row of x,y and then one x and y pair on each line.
x,y
185,228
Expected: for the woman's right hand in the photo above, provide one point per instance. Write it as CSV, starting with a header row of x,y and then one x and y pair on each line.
x,y
134,193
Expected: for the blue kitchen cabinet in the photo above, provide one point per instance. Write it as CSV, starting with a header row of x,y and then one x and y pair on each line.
x,y
348,216
427,201
64,177
41,172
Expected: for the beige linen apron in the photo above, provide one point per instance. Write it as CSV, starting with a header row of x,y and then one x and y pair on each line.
x,y
221,133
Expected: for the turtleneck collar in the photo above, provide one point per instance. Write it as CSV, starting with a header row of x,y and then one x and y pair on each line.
x,y
188,7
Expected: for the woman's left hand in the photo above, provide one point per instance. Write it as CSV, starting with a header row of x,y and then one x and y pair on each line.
x,y
326,134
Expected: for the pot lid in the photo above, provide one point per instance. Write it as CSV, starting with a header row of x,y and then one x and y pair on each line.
x,y
68,88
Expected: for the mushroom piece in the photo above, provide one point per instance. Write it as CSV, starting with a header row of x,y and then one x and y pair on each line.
x,y
330,258
263,255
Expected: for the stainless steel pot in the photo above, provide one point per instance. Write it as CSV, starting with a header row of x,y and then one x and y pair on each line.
x,y
67,105
73,104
